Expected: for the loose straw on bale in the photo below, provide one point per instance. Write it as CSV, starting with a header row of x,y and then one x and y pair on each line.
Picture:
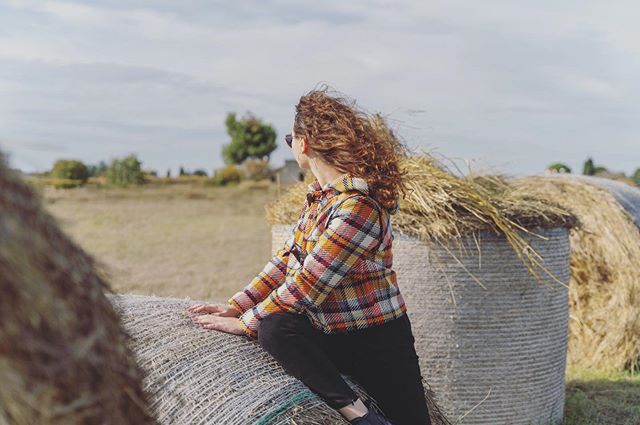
x,y
210,377
63,354
604,290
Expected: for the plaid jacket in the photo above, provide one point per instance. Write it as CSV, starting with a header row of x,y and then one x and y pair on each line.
x,y
335,267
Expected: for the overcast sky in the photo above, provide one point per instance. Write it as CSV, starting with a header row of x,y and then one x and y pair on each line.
x,y
510,86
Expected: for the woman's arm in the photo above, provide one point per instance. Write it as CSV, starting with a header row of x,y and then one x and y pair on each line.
x,y
271,276
352,232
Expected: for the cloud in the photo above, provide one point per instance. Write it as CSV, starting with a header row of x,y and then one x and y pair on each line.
x,y
521,85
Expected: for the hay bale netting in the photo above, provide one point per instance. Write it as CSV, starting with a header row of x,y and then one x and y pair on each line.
x,y
203,376
496,354
63,354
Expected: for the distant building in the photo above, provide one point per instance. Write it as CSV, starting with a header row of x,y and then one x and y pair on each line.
x,y
290,172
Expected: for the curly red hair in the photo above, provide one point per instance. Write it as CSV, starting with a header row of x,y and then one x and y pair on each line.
x,y
352,141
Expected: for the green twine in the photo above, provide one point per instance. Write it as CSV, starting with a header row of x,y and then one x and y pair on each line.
x,y
266,419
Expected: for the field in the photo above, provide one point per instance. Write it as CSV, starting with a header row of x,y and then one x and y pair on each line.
x,y
176,241
208,242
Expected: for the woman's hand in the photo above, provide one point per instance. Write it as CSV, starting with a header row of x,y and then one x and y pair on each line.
x,y
220,317
217,309
225,324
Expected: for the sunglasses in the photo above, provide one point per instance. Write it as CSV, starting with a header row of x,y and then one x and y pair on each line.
x,y
288,138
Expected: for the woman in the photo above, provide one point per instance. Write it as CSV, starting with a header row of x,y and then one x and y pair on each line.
x,y
328,302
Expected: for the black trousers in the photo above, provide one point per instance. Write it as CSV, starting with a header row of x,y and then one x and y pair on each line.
x,y
382,359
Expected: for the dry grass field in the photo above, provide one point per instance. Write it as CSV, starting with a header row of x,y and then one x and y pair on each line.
x,y
179,240
208,242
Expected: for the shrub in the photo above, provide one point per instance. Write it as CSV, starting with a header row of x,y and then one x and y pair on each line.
x,y
125,171
559,167
70,169
256,168
228,174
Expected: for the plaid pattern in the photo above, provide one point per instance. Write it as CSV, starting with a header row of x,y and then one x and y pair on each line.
x,y
335,267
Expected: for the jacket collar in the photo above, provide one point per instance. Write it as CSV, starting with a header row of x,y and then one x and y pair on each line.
x,y
342,183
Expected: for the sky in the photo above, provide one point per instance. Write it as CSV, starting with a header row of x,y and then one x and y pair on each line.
x,y
494,86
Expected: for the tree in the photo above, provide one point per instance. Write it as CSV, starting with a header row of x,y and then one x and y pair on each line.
x,y
126,171
182,173
97,170
70,169
636,176
588,169
559,167
250,138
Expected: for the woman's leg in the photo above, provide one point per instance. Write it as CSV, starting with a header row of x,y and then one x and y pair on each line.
x,y
388,369
295,344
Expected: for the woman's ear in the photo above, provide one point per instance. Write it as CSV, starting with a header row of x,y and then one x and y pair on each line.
x,y
304,145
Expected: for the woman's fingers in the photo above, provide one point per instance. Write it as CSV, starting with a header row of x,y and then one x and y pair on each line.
x,y
194,308
224,324
212,308
204,308
205,318
207,321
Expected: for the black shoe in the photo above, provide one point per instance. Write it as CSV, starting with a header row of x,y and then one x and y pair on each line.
x,y
371,418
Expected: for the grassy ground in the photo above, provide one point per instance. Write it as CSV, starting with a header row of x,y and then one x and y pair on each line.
x,y
208,242
595,398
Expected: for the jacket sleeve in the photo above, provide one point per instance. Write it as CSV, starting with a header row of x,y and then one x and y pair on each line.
x,y
352,233
269,278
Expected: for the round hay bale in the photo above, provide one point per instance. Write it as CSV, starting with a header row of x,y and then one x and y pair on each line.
x,y
202,376
494,355
63,356
605,278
